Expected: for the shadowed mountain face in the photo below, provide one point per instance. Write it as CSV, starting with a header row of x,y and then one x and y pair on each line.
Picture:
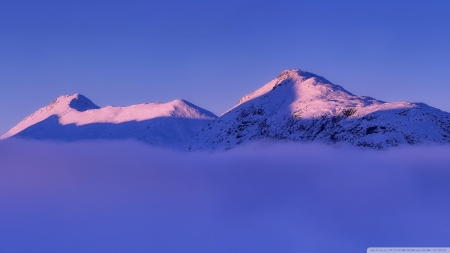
x,y
301,106
80,103
295,106
161,131
72,118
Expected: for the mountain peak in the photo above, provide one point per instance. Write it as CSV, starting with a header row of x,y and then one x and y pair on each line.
x,y
181,104
302,75
301,84
290,73
75,101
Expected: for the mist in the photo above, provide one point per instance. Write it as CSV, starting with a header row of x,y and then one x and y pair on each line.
x,y
123,196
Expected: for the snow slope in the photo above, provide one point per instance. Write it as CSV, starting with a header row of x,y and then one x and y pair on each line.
x,y
301,106
70,118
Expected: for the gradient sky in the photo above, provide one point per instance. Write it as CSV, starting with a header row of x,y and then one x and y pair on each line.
x,y
212,53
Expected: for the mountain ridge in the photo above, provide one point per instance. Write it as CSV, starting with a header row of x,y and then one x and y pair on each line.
x,y
295,106
75,117
301,106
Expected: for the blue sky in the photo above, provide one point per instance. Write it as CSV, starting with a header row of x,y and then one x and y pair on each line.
x,y
212,53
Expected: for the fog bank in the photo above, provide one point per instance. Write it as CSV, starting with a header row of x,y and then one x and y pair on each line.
x,y
119,196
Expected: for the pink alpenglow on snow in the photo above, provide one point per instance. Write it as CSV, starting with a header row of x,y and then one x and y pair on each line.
x,y
296,106
304,107
70,118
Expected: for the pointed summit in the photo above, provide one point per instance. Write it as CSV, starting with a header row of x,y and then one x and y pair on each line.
x,y
58,107
300,92
187,108
76,101
295,73
305,86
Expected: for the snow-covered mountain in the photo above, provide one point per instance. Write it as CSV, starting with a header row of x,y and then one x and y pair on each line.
x,y
301,106
75,117
295,106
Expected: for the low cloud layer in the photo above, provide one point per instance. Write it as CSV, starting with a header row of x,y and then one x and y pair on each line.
x,y
118,196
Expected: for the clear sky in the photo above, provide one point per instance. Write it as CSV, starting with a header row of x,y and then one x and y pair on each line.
x,y
212,53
